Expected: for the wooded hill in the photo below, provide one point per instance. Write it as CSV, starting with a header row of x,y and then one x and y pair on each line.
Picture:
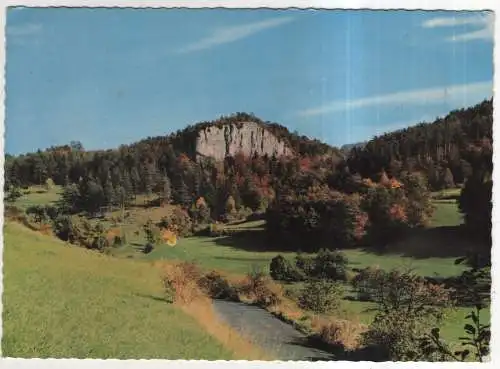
x,y
445,150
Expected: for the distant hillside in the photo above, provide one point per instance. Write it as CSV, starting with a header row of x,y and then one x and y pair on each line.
x,y
446,149
245,133
346,149
144,163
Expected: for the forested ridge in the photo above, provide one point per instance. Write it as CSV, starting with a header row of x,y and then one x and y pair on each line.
x,y
445,150
383,185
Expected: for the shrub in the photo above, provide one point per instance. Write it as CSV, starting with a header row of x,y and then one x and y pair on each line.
x,y
330,265
261,290
321,296
13,194
407,307
200,212
81,232
152,233
282,270
214,285
180,282
38,213
395,336
65,228
304,264
216,230
119,240
148,247
365,283
342,333
178,221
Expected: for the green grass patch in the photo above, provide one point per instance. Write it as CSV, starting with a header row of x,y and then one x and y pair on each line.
x,y
38,195
446,214
216,253
447,193
61,301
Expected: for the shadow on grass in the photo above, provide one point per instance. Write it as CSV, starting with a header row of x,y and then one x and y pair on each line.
x,y
250,240
338,352
424,243
241,259
151,297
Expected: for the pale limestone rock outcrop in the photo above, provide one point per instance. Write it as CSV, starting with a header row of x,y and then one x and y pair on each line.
x,y
246,137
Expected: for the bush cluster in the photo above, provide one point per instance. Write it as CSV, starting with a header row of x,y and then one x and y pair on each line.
x,y
321,296
282,270
81,232
365,283
217,287
327,264
179,221
407,307
261,290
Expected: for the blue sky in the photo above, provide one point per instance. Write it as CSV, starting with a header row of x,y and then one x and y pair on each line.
x,y
108,76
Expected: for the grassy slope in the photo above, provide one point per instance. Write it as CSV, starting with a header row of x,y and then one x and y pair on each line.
x,y
38,195
218,253
64,301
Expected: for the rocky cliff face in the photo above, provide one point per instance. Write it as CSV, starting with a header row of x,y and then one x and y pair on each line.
x,y
245,137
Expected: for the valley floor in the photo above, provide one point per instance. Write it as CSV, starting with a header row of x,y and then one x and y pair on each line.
x,y
63,301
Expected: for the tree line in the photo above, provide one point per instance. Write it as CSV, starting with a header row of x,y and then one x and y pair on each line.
x,y
308,186
445,150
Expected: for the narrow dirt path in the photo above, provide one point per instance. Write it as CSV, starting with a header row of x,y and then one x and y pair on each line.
x,y
281,340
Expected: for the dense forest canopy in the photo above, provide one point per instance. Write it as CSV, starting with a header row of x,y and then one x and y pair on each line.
x,y
381,185
446,150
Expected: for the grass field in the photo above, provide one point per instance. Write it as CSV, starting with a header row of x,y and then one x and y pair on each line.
x,y
62,302
212,254
446,214
240,254
89,305
38,195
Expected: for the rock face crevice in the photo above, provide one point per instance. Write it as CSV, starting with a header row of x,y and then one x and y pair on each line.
x,y
245,137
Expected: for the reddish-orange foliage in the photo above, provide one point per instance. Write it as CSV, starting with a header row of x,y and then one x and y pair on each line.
x,y
368,182
264,181
305,163
183,158
112,233
397,212
169,237
394,183
384,179
239,179
201,202
360,225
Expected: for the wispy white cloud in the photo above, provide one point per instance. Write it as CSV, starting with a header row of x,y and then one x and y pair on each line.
x,y
484,21
429,96
27,29
230,34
